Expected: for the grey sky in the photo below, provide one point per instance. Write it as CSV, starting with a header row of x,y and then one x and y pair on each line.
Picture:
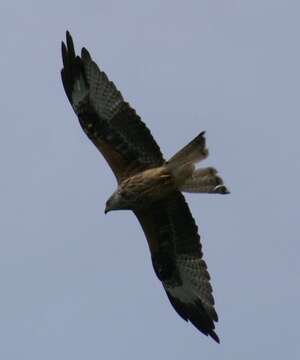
x,y
78,285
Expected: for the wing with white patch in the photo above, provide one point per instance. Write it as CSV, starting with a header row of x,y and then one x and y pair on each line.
x,y
177,260
192,298
110,123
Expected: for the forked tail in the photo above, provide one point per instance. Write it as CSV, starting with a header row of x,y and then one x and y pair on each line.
x,y
204,180
190,179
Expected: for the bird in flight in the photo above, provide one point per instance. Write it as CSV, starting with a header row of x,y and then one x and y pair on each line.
x,y
149,185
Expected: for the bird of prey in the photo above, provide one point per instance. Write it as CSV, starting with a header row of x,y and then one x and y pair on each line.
x,y
148,185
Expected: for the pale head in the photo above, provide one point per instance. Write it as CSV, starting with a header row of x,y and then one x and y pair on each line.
x,y
116,202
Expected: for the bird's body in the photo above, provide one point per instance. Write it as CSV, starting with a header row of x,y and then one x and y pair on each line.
x,y
143,189
148,185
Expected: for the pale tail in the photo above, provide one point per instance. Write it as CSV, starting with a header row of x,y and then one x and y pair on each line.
x,y
190,179
192,153
204,181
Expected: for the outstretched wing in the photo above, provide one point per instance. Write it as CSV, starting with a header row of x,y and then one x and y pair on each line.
x,y
177,260
111,124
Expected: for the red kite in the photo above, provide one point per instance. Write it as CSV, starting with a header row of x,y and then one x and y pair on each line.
x,y
148,185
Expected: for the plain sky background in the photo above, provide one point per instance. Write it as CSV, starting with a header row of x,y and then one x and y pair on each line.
x,y
78,285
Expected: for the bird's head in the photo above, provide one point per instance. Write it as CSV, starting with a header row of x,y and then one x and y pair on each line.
x,y
115,202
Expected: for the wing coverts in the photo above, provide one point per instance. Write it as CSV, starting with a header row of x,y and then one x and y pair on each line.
x,y
111,124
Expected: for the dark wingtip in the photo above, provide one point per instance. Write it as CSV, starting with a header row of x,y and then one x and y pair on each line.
x,y
64,52
63,47
70,69
213,335
70,45
68,36
85,54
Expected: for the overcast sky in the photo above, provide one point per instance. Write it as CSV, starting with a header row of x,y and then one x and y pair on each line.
x,y
78,285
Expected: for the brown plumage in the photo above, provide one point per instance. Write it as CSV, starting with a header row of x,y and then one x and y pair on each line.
x,y
148,185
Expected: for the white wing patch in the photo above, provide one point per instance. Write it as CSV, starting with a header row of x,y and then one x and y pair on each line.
x,y
79,93
195,285
105,98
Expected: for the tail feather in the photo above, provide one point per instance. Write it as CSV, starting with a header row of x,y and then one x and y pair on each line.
x,y
192,153
204,181
190,179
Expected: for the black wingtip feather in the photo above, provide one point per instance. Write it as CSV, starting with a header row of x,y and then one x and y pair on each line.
x,y
85,54
72,67
64,54
202,322
213,335
70,44
197,315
